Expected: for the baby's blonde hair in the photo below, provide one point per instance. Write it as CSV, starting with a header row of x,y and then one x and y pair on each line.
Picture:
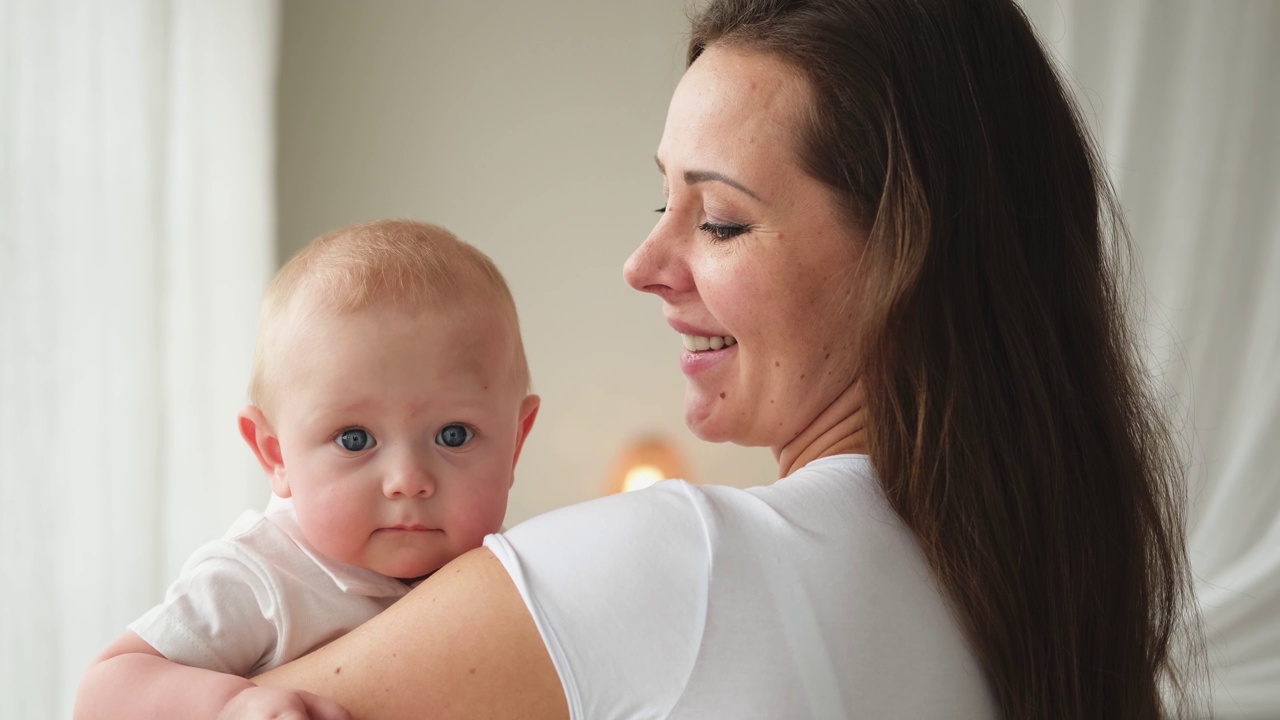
x,y
409,265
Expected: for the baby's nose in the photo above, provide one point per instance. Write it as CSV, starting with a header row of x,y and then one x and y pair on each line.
x,y
409,479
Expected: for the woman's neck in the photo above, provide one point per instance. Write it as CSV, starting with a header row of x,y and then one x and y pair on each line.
x,y
838,429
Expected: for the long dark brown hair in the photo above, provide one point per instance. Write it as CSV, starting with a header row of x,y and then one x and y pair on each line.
x,y
1011,423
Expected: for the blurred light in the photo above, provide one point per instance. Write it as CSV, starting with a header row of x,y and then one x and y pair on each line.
x,y
645,461
641,477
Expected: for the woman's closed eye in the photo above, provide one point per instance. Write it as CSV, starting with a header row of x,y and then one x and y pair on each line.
x,y
717,231
355,440
723,231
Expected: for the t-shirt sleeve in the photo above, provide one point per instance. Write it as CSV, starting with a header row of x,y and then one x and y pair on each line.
x,y
618,589
217,615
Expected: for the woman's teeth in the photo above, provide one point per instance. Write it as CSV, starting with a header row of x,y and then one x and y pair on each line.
x,y
698,343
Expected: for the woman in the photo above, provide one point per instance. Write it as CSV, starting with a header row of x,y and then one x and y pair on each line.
x,y
882,215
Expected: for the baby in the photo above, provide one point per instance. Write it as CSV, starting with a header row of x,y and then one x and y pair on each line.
x,y
389,402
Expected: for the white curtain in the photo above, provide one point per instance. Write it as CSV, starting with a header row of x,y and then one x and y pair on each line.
x,y
136,235
1185,98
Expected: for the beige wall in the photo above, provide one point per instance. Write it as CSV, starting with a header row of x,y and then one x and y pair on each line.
x,y
529,129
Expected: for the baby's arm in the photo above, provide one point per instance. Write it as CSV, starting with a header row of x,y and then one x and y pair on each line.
x,y
130,680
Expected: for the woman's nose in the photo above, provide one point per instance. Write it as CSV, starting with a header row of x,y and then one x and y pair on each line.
x,y
409,478
655,266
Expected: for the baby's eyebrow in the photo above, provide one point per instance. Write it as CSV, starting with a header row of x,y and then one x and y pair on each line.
x,y
693,177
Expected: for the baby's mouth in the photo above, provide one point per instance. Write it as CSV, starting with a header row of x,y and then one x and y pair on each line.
x,y
700,343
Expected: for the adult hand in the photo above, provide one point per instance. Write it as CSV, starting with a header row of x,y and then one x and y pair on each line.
x,y
268,703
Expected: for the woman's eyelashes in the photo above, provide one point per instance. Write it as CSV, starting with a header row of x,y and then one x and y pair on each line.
x,y
355,440
723,231
717,231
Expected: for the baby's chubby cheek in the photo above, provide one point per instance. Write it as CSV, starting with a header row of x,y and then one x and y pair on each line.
x,y
480,520
337,535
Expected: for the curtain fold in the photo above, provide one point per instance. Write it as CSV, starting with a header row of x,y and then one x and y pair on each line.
x,y
1183,98
136,235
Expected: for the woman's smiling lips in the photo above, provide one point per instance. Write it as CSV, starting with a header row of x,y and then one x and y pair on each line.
x,y
693,362
702,349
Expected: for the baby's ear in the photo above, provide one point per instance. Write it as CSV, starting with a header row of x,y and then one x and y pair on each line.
x,y
528,413
262,440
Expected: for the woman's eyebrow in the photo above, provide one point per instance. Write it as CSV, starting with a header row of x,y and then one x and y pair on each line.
x,y
693,177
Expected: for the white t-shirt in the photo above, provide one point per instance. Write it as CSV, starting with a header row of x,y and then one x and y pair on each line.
x,y
260,597
804,599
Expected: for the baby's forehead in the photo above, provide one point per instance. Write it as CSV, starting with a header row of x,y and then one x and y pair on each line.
x,y
476,315
324,296
479,332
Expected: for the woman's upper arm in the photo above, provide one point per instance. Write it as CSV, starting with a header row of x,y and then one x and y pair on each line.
x,y
461,645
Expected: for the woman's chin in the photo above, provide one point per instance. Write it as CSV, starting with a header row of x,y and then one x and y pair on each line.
x,y
704,422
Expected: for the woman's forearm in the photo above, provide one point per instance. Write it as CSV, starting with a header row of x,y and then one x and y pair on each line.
x,y
461,645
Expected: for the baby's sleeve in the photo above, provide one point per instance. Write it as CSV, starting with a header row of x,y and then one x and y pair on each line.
x,y
220,614
618,590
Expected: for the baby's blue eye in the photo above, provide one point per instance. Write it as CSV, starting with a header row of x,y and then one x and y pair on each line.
x,y
355,440
454,435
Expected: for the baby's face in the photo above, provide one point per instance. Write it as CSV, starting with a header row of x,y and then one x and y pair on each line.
x,y
399,434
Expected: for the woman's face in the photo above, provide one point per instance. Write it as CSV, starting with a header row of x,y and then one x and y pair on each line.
x,y
753,260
